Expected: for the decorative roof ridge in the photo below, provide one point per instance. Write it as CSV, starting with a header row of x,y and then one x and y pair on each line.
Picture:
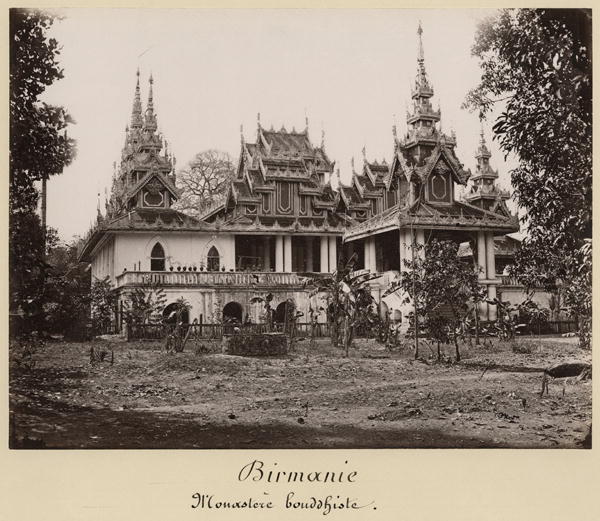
x,y
483,210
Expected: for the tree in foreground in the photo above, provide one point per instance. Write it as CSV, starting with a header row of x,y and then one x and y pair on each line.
x,y
67,293
537,68
441,288
349,299
39,148
204,181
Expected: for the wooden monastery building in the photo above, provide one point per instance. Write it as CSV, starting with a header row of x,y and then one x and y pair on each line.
x,y
283,221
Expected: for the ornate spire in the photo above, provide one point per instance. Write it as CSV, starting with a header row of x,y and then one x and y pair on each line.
x,y
422,87
99,212
483,154
150,120
482,151
421,55
136,111
422,118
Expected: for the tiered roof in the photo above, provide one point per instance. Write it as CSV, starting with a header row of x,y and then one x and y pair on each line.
x,y
425,151
483,191
279,157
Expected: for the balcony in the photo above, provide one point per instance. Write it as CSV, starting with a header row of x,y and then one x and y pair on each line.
x,y
209,279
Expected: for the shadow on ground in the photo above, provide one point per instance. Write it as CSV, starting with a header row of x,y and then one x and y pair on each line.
x,y
65,426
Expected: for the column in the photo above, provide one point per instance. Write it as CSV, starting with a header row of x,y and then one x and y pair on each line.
x,y
373,255
266,254
308,252
287,253
491,272
324,254
481,257
490,255
332,253
279,253
367,247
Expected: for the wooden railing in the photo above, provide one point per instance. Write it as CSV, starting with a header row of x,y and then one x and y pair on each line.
x,y
218,331
207,278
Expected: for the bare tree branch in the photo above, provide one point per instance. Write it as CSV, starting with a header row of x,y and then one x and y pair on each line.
x,y
203,181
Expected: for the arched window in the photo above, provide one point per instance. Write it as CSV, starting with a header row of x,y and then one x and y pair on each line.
x,y
157,258
213,259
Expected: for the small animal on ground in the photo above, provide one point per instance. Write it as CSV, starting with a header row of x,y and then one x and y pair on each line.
x,y
567,370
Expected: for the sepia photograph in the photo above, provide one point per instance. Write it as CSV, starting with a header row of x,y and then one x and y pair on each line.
x,y
300,229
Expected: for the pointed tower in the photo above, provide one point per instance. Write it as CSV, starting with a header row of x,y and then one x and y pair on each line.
x,y
145,177
422,118
483,192
150,124
136,111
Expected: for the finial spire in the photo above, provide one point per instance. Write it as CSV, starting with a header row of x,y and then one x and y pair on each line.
x,y
242,133
98,209
364,152
150,121
136,111
421,56
322,136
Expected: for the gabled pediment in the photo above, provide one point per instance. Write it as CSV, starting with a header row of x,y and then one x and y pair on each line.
x,y
155,183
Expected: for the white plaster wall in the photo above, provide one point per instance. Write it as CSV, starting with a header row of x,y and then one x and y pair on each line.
x,y
181,249
103,264
209,302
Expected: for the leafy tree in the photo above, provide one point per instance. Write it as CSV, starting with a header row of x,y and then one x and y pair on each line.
x,y
537,67
145,305
27,272
177,337
102,301
439,284
38,148
39,145
350,299
67,292
204,181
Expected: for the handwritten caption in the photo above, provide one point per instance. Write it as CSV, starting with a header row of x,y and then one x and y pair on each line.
x,y
256,471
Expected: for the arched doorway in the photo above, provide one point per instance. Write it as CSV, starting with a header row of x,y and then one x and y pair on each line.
x,y
170,314
279,314
282,309
232,313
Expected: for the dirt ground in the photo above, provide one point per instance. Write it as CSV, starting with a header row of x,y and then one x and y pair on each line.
x,y
310,399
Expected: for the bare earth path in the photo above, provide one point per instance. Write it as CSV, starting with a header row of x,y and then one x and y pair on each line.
x,y
376,399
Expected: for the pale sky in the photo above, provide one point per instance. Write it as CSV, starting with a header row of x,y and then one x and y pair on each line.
x,y
349,71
